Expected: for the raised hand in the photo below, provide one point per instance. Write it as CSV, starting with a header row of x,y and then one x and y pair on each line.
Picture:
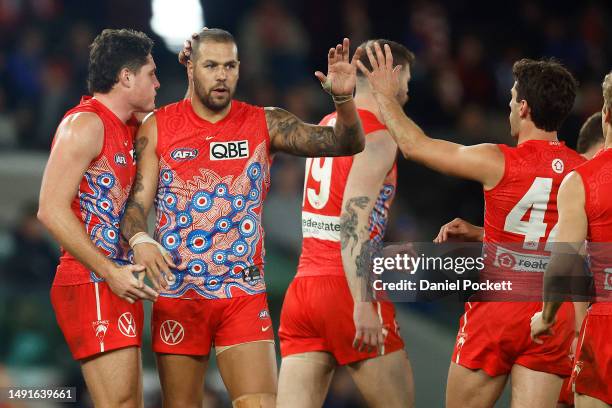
x,y
341,73
384,78
185,53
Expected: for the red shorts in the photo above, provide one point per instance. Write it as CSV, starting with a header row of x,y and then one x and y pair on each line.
x,y
95,320
592,374
494,336
317,315
567,395
192,326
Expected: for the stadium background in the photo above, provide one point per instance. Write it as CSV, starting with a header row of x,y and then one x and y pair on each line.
x,y
459,91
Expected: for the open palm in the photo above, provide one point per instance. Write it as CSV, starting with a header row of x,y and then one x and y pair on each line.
x,y
341,73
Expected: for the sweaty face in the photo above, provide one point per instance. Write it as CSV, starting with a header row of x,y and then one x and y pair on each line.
x,y
402,94
514,118
145,87
215,74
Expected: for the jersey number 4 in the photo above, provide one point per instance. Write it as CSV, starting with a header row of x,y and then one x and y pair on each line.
x,y
536,199
320,168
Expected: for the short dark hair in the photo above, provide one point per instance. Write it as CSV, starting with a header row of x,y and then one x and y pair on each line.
x,y
110,52
590,134
607,90
401,55
549,89
209,34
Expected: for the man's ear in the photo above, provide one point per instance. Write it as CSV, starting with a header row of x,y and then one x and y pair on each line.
x,y
607,115
190,68
125,77
524,109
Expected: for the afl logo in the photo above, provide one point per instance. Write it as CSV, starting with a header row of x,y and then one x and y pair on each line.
x,y
184,153
120,159
557,166
171,332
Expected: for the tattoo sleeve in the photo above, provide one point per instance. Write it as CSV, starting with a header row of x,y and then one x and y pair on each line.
x,y
350,220
290,135
134,217
357,249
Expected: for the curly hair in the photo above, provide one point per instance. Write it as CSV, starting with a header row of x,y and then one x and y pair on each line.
x,y
401,55
549,89
110,52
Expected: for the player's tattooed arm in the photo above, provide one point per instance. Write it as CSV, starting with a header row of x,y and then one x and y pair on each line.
x,y
147,252
362,189
349,221
291,135
145,184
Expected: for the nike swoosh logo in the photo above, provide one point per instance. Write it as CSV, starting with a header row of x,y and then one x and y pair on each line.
x,y
263,329
209,137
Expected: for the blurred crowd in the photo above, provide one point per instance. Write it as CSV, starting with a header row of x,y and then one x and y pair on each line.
x,y
460,81
460,90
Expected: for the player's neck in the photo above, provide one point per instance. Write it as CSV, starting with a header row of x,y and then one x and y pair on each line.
x,y
207,114
367,102
530,132
607,134
115,104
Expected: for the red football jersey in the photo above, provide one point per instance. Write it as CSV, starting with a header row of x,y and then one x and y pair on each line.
x,y
324,185
521,211
213,179
596,177
102,194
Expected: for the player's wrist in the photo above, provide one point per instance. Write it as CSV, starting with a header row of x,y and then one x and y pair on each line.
x,y
476,233
144,238
342,99
383,98
139,238
338,99
548,320
108,270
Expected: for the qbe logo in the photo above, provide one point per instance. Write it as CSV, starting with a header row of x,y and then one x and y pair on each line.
x,y
229,150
